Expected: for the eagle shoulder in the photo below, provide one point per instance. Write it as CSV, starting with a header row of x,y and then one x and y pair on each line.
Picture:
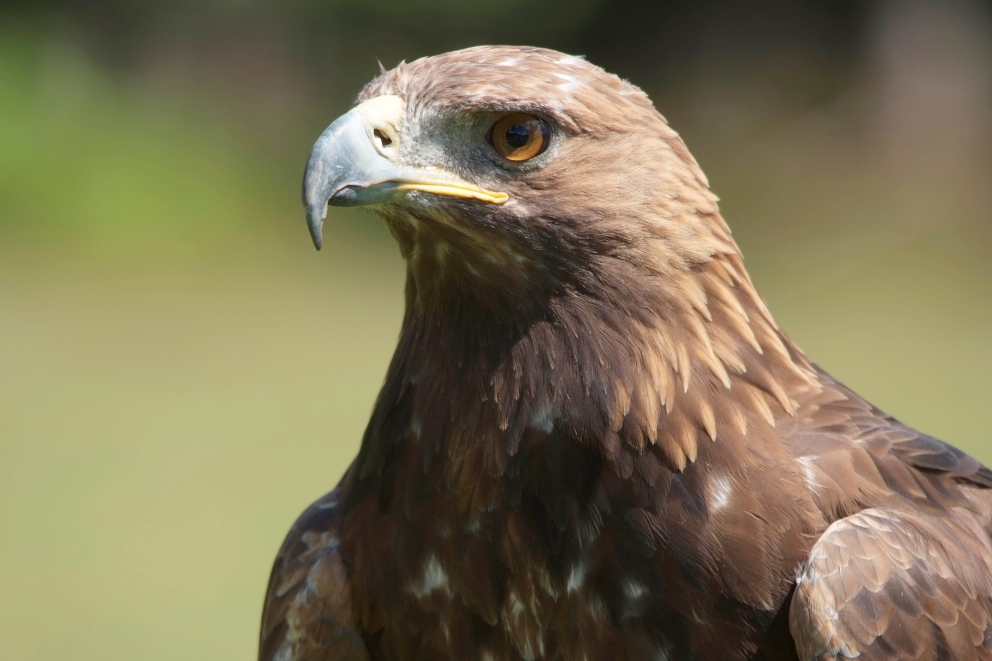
x,y
308,612
891,584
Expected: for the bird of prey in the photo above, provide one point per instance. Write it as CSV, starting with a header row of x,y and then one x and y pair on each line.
x,y
594,441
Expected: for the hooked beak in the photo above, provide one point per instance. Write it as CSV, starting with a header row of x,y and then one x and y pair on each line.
x,y
355,162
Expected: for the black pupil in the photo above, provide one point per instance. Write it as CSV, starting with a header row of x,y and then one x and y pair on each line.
x,y
518,135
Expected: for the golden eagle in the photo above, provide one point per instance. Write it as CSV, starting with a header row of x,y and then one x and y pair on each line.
x,y
593,441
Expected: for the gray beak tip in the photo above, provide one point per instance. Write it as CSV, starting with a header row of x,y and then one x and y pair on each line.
x,y
315,221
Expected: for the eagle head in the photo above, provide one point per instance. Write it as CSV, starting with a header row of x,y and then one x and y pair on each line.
x,y
506,170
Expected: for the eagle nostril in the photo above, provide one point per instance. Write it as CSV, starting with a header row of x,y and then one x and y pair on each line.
x,y
383,138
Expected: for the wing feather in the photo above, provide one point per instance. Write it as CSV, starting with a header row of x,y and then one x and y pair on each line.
x,y
308,613
886,584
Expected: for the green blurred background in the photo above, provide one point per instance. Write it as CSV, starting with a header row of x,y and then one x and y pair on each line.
x,y
180,372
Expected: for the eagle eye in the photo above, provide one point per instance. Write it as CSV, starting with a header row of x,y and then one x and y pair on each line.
x,y
519,136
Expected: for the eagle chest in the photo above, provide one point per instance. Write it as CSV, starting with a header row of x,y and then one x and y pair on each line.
x,y
548,558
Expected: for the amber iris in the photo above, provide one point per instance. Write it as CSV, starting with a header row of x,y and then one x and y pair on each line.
x,y
519,136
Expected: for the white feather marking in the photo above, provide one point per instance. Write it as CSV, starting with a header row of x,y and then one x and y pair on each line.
x,y
518,621
720,490
661,654
634,590
570,86
434,578
589,528
809,471
576,577
543,418
516,606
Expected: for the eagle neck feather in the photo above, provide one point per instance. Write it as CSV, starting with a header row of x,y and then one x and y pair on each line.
x,y
663,362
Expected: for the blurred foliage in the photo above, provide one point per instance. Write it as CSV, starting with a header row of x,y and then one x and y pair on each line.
x,y
180,373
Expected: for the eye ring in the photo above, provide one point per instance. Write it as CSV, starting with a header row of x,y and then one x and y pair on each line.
x,y
519,136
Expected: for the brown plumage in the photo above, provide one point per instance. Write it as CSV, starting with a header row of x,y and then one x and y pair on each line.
x,y
594,442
